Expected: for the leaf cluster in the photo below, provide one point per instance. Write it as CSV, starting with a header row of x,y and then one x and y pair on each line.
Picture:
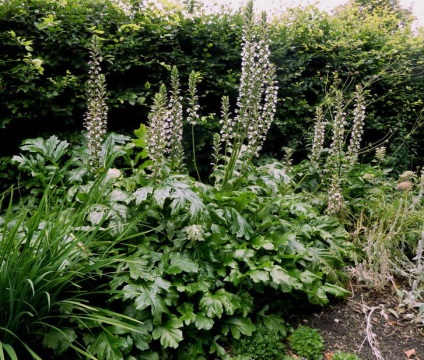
x,y
264,345
307,342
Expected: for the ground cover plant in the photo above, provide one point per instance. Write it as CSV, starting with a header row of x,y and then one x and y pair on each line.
x,y
120,248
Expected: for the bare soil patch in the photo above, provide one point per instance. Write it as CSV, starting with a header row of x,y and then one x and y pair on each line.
x,y
344,327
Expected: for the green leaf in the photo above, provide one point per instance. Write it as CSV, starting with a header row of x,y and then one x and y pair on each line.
x,y
214,305
282,278
258,275
211,305
147,295
187,313
120,195
52,148
161,194
184,197
244,254
98,213
273,322
141,194
203,322
198,286
107,346
169,334
245,301
260,242
141,341
59,340
235,277
141,136
284,239
9,350
308,277
240,326
239,225
182,263
218,349
316,294
138,267
335,290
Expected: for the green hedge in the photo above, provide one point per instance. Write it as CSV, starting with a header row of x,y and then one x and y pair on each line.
x,y
43,69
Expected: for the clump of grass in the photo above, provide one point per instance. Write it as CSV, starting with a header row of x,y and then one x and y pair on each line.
x,y
388,233
49,270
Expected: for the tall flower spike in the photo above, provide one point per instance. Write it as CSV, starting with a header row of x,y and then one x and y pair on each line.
x,y
249,98
157,131
339,123
335,198
242,137
175,123
319,135
95,118
193,98
380,153
216,146
336,155
227,124
258,87
358,126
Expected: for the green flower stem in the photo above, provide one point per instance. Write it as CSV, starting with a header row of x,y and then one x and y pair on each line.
x,y
194,153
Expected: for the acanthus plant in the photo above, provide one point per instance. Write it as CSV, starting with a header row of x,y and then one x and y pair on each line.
x,y
242,137
210,253
195,261
197,275
340,158
165,129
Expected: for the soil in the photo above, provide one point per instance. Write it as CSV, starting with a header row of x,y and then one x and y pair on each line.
x,y
344,327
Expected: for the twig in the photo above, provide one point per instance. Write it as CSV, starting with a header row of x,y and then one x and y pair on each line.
x,y
371,337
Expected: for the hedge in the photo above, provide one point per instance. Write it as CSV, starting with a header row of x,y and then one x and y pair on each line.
x,y
44,55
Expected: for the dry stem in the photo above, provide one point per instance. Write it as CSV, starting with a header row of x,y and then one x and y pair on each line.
x,y
371,337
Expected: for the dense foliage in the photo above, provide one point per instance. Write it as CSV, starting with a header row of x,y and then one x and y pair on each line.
x,y
111,250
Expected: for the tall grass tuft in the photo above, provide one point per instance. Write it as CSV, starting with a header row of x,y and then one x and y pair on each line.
x,y
49,271
388,234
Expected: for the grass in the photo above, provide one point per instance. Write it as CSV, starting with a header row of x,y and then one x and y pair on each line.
x,y
49,272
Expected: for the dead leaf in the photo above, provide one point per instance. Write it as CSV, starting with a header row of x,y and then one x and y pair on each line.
x,y
328,356
384,314
410,353
394,313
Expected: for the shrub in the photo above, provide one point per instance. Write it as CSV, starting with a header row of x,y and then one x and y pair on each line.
x,y
307,342
344,356
262,345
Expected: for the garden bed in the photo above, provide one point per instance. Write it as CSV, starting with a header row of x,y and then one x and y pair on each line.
x,y
343,326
